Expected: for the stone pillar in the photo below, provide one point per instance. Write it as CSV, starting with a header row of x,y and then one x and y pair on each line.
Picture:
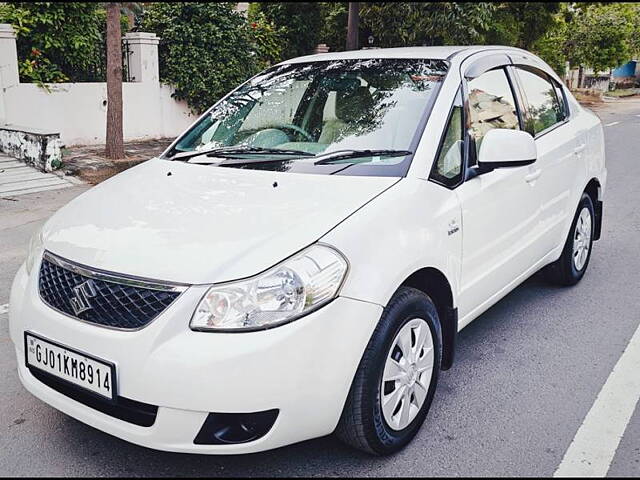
x,y
242,8
8,57
321,48
142,50
8,65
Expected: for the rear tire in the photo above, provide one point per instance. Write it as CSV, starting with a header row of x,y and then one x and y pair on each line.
x,y
395,370
572,264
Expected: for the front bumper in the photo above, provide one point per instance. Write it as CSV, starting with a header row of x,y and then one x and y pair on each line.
x,y
304,369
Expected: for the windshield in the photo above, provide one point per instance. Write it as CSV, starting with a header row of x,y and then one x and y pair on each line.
x,y
369,111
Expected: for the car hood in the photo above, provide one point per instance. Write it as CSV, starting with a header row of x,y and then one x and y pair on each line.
x,y
192,224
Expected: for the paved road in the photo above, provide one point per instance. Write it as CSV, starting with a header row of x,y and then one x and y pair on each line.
x,y
527,373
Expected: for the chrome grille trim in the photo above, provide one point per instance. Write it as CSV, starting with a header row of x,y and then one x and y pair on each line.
x,y
128,280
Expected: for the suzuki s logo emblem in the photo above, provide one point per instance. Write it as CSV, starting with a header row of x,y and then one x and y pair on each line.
x,y
82,294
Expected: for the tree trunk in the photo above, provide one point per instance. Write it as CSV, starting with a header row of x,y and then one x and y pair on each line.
x,y
352,25
580,76
114,141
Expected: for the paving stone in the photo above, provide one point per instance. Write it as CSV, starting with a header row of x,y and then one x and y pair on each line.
x,y
89,163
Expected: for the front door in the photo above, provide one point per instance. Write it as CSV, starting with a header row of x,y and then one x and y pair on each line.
x,y
500,209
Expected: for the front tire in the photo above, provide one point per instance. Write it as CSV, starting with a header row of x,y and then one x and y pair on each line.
x,y
572,264
395,382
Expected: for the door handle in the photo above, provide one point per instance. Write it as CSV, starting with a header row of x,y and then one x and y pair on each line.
x,y
579,149
533,176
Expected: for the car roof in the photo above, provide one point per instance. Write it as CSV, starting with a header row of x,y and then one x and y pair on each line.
x,y
436,53
455,54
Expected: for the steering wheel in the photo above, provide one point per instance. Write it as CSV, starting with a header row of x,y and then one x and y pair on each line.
x,y
298,129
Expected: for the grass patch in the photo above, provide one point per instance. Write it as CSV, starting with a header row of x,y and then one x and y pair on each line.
x,y
587,96
623,92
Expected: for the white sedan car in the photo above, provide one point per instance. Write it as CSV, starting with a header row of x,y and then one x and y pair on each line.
x,y
301,259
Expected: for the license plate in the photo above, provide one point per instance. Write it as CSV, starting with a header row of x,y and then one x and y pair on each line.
x,y
81,369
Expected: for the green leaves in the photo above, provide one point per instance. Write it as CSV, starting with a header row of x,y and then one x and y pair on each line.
x,y
596,35
551,46
268,40
334,25
40,70
521,24
69,36
603,36
206,49
298,24
409,23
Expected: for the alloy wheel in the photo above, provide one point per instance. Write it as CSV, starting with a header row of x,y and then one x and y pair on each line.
x,y
582,239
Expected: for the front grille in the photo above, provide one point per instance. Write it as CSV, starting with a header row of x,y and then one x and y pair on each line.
x,y
102,298
131,411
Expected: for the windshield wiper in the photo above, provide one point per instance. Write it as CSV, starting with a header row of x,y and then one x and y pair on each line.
x,y
324,159
233,151
344,154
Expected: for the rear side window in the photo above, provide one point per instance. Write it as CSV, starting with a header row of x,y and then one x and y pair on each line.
x,y
544,108
491,105
564,110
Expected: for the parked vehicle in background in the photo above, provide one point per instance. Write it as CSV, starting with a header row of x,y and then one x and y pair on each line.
x,y
301,260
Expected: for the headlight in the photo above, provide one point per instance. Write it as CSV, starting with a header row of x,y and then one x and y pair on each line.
x,y
34,251
283,293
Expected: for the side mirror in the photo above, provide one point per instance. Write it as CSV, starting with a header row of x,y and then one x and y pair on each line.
x,y
501,148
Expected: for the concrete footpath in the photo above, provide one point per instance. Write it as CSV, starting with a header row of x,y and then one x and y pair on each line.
x,y
17,178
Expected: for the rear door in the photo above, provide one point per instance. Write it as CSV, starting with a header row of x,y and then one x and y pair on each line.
x,y
546,118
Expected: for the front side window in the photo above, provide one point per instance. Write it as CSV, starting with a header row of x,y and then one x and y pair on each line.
x,y
447,168
318,108
491,105
544,109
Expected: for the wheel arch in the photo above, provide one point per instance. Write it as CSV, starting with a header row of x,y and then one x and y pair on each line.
x,y
435,284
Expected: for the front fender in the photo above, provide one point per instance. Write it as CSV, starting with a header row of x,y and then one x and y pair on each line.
x,y
405,229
